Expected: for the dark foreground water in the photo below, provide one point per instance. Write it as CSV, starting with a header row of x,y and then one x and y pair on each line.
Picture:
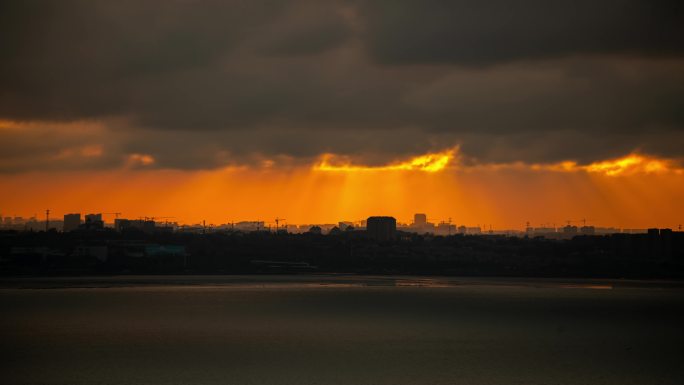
x,y
339,330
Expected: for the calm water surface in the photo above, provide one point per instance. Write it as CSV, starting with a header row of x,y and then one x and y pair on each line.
x,y
339,330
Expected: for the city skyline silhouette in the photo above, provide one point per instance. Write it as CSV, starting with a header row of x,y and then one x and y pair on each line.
x,y
341,192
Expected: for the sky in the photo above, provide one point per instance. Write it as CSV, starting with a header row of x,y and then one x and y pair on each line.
x,y
482,112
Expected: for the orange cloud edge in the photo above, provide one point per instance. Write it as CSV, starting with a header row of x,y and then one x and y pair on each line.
x,y
633,163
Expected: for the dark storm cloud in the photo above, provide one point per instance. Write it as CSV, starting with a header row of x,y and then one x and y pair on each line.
x,y
73,58
591,95
307,27
476,32
201,84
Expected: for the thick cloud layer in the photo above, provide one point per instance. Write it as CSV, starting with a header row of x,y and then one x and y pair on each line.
x,y
475,32
201,84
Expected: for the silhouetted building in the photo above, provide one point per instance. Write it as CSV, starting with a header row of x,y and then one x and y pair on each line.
x,y
548,232
93,218
606,230
659,243
587,230
666,243
93,222
326,227
250,226
634,231
146,226
473,230
654,243
33,225
344,225
71,222
445,228
315,230
569,229
381,228
420,225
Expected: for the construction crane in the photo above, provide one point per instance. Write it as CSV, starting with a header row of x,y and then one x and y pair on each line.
x,y
277,221
153,219
583,220
166,222
116,215
448,223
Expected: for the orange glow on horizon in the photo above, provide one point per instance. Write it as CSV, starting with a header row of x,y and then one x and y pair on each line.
x,y
636,191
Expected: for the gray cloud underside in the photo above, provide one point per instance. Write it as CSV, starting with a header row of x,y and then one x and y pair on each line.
x,y
200,84
476,32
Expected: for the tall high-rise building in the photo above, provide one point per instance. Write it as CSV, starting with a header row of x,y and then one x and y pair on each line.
x,y
94,221
93,217
419,219
381,228
71,222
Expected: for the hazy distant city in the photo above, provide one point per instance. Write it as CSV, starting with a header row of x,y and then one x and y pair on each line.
x,y
76,244
421,224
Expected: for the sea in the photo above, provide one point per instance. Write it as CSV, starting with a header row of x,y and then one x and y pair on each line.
x,y
339,329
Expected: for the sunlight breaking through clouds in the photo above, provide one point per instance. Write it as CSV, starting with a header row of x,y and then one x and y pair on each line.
x,y
431,162
631,164
628,165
